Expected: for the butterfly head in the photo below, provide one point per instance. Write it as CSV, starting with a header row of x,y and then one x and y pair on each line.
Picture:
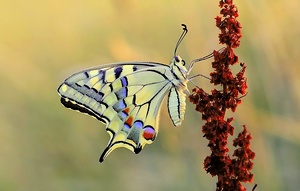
x,y
178,65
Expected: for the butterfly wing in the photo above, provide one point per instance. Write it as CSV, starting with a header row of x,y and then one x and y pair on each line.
x,y
126,97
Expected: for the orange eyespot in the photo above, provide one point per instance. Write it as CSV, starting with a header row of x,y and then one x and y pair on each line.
x,y
126,110
129,121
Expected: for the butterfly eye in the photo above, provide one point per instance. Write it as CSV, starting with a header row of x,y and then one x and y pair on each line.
x,y
176,58
183,62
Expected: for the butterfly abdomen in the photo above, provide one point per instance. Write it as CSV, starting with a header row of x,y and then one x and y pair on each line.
x,y
176,105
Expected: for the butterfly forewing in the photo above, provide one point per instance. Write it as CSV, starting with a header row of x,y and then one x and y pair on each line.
x,y
126,97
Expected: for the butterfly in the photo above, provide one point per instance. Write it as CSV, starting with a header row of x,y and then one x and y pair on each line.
x,y
127,97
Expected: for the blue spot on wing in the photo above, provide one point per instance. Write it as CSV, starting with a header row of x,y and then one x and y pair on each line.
x,y
138,124
122,93
124,115
99,96
135,132
126,126
118,71
102,74
120,105
124,81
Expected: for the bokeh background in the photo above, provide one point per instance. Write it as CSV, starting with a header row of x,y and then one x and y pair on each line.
x,y
44,146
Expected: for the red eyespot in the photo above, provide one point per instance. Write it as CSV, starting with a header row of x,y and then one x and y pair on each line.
x,y
149,133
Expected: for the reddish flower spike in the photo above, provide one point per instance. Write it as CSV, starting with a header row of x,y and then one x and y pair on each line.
x,y
231,171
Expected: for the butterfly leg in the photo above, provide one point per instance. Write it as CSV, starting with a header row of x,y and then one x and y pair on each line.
x,y
197,75
198,60
202,58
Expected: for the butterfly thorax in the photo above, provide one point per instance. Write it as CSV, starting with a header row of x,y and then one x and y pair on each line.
x,y
179,72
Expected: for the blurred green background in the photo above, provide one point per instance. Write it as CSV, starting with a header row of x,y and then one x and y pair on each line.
x,y
44,146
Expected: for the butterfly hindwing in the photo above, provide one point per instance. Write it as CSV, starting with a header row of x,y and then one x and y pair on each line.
x,y
126,97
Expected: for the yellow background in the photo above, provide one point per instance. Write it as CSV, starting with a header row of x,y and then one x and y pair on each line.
x,y
44,146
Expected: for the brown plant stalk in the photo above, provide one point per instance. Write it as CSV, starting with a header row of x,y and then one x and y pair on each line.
x,y
233,169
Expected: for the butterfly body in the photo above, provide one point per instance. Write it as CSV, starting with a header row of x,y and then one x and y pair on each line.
x,y
127,97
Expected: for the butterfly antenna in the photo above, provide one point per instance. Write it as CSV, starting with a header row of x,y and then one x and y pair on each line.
x,y
202,58
185,30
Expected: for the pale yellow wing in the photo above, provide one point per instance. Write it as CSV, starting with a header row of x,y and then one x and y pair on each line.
x,y
126,97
